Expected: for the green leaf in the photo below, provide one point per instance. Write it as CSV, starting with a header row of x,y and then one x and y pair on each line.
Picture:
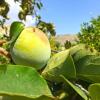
x,y
89,72
84,61
96,60
80,91
4,9
94,91
23,98
22,82
15,30
81,50
38,5
60,64
88,68
41,4
76,48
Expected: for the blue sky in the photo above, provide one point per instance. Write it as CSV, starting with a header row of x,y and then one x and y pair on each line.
x,y
67,15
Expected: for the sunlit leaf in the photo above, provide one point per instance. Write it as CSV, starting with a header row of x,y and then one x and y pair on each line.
x,y
22,82
15,30
80,91
89,72
81,50
60,64
94,91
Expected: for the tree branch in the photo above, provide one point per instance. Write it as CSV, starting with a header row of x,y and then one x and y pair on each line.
x,y
4,52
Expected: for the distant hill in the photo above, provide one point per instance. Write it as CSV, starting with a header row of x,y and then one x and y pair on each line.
x,y
62,38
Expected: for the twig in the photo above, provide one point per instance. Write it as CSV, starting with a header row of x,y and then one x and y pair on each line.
x,y
4,52
2,42
55,51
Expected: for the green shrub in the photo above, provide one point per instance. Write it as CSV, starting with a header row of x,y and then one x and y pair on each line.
x,y
90,33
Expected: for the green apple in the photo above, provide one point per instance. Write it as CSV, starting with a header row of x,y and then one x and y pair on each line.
x,y
31,48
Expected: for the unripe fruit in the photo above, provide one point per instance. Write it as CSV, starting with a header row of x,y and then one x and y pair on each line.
x,y
31,48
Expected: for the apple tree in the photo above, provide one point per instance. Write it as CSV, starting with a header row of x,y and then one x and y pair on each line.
x,y
90,33
28,7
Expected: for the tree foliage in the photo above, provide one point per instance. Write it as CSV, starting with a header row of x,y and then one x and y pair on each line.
x,y
46,27
90,33
4,8
28,7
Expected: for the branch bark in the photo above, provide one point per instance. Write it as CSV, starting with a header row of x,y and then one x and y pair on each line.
x,y
2,42
4,52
